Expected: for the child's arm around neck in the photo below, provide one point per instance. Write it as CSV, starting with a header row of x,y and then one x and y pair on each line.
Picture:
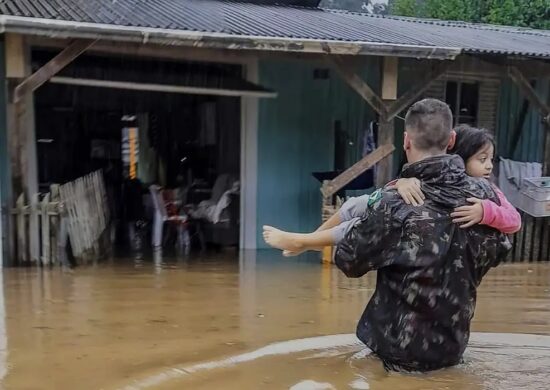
x,y
504,217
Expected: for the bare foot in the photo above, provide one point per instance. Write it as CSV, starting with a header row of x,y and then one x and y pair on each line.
x,y
281,240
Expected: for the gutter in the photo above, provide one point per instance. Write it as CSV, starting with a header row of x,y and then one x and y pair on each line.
x,y
51,28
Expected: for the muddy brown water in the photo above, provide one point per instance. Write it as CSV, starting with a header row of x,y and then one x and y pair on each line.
x,y
253,321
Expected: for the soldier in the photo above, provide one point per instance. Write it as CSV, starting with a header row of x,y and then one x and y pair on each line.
x,y
428,267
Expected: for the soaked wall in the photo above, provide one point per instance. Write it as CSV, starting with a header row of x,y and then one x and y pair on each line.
x,y
296,138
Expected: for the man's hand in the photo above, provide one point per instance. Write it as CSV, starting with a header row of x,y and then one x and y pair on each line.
x,y
470,215
410,191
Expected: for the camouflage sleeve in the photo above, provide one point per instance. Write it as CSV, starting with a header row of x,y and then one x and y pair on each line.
x,y
370,244
504,247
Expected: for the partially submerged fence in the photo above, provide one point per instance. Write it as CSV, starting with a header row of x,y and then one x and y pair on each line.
x,y
532,242
76,212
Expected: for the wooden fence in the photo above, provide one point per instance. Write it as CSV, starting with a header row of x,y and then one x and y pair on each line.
x,y
77,211
87,214
532,242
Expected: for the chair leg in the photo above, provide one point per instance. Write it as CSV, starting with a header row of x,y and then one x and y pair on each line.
x,y
158,225
184,240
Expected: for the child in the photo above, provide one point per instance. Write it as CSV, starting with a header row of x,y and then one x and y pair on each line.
x,y
475,146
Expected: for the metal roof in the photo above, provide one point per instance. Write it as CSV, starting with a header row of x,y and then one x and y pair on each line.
x,y
263,19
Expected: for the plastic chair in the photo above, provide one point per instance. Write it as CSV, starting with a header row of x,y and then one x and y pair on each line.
x,y
161,217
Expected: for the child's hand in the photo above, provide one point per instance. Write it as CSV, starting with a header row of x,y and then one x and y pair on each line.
x,y
469,215
410,191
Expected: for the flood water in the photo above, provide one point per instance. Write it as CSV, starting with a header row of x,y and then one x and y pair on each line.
x,y
248,321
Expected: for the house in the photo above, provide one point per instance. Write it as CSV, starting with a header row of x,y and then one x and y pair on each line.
x,y
293,86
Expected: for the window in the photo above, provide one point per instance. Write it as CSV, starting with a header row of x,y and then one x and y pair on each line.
x,y
463,98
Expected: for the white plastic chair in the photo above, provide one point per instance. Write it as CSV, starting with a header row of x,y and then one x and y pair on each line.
x,y
161,217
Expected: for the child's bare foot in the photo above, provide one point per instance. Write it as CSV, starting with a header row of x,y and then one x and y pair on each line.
x,y
281,240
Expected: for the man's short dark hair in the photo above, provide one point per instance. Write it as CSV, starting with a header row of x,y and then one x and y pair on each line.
x,y
429,122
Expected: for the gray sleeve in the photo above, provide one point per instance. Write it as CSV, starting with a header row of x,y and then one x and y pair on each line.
x,y
354,207
340,231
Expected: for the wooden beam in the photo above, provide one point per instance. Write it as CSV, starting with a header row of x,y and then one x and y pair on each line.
x,y
170,53
161,87
386,127
15,56
413,93
56,64
389,79
530,67
357,169
347,72
386,136
529,92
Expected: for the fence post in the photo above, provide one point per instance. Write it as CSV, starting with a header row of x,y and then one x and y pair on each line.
x,y
21,231
55,223
46,251
34,229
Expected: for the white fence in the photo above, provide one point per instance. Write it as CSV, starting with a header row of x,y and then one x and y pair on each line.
x,y
77,211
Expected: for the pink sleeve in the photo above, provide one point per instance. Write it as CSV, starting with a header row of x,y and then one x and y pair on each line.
x,y
504,217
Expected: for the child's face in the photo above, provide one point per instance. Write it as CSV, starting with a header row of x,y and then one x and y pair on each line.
x,y
481,163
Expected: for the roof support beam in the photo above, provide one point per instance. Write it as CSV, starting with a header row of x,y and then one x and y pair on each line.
x,y
182,89
54,66
331,187
387,109
347,72
529,92
417,90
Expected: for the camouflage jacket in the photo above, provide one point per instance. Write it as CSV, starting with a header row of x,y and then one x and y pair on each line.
x,y
428,268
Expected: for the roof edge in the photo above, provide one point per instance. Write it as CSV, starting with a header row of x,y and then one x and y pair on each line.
x,y
69,29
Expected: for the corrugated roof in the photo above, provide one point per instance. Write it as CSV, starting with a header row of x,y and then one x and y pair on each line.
x,y
265,19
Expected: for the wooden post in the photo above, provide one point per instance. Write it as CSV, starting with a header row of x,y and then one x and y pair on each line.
x,y
60,235
45,224
326,254
386,128
34,229
386,136
389,80
21,124
21,110
22,249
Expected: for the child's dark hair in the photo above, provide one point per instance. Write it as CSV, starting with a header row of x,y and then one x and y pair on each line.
x,y
470,140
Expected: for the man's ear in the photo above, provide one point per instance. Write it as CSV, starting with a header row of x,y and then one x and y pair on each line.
x,y
452,140
406,141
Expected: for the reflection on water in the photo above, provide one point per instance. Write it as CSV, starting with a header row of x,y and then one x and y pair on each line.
x,y
494,361
112,324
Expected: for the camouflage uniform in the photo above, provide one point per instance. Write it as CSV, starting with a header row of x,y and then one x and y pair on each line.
x,y
428,268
